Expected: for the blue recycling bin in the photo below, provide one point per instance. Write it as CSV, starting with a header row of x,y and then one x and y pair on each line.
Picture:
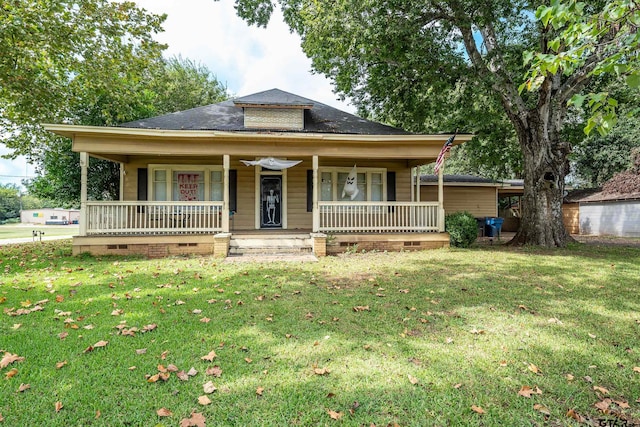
x,y
493,226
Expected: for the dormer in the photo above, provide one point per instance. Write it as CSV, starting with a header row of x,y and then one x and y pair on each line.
x,y
274,109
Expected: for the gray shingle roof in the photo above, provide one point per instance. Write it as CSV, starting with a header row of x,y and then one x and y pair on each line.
x,y
227,116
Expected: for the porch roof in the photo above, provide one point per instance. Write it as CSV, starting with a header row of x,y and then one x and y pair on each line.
x,y
228,116
218,129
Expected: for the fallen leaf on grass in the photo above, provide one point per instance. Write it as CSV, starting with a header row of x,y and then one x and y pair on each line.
x,y
196,420
182,376
622,404
527,391
259,391
192,372
214,371
59,406
117,312
569,377
541,408
209,357
164,412
413,380
478,409
63,335
457,386
335,415
99,344
9,358
1,418
205,320
321,371
246,359
208,387
204,400
600,389
636,369
603,405
141,351
359,308
61,364
533,368
24,387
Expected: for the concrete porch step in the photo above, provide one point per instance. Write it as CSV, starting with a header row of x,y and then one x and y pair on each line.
x,y
270,244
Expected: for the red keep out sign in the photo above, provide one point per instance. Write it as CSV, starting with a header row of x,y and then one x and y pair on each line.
x,y
188,186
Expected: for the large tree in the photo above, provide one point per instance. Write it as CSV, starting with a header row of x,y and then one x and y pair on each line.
x,y
412,63
57,55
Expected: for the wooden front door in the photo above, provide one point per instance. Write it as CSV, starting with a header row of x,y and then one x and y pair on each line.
x,y
271,201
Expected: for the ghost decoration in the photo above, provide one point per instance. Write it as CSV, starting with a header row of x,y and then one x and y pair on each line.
x,y
351,184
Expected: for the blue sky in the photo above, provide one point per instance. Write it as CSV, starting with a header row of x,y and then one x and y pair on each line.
x,y
246,59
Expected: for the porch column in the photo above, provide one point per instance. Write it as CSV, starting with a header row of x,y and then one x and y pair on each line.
x,y
225,197
122,173
413,194
84,165
418,188
441,200
316,211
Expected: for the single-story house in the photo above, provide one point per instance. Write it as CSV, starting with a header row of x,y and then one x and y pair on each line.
x,y
612,214
49,216
271,165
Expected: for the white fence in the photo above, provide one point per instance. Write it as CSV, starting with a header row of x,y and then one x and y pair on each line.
x,y
378,217
150,218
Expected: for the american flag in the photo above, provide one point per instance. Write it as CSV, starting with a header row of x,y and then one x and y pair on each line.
x,y
445,149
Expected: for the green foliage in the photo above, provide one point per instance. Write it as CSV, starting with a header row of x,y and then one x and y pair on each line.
x,y
9,202
462,228
588,42
60,56
596,158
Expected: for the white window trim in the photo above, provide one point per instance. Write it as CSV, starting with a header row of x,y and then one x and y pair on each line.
x,y
337,186
206,169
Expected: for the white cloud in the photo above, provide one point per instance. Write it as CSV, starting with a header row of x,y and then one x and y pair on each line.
x,y
247,59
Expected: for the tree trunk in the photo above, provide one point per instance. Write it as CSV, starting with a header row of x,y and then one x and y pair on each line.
x,y
545,167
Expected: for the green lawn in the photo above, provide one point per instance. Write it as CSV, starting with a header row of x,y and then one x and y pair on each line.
x,y
18,231
427,338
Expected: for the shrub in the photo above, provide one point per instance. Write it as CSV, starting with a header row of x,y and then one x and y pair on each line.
x,y
462,228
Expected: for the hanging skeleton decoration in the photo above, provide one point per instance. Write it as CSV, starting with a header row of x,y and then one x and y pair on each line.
x,y
351,184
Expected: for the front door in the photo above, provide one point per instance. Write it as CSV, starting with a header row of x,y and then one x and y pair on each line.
x,y
271,201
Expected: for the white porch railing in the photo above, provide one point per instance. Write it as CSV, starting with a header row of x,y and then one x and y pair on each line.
x,y
379,217
150,218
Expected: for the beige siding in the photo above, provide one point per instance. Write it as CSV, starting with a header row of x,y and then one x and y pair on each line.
x,y
297,215
274,118
571,217
479,201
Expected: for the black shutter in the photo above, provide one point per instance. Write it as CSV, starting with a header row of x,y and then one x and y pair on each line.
x,y
233,190
142,186
391,186
309,190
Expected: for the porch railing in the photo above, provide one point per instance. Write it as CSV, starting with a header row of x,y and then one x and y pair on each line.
x,y
151,218
378,217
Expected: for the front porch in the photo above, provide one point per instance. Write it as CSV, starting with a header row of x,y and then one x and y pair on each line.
x,y
159,229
